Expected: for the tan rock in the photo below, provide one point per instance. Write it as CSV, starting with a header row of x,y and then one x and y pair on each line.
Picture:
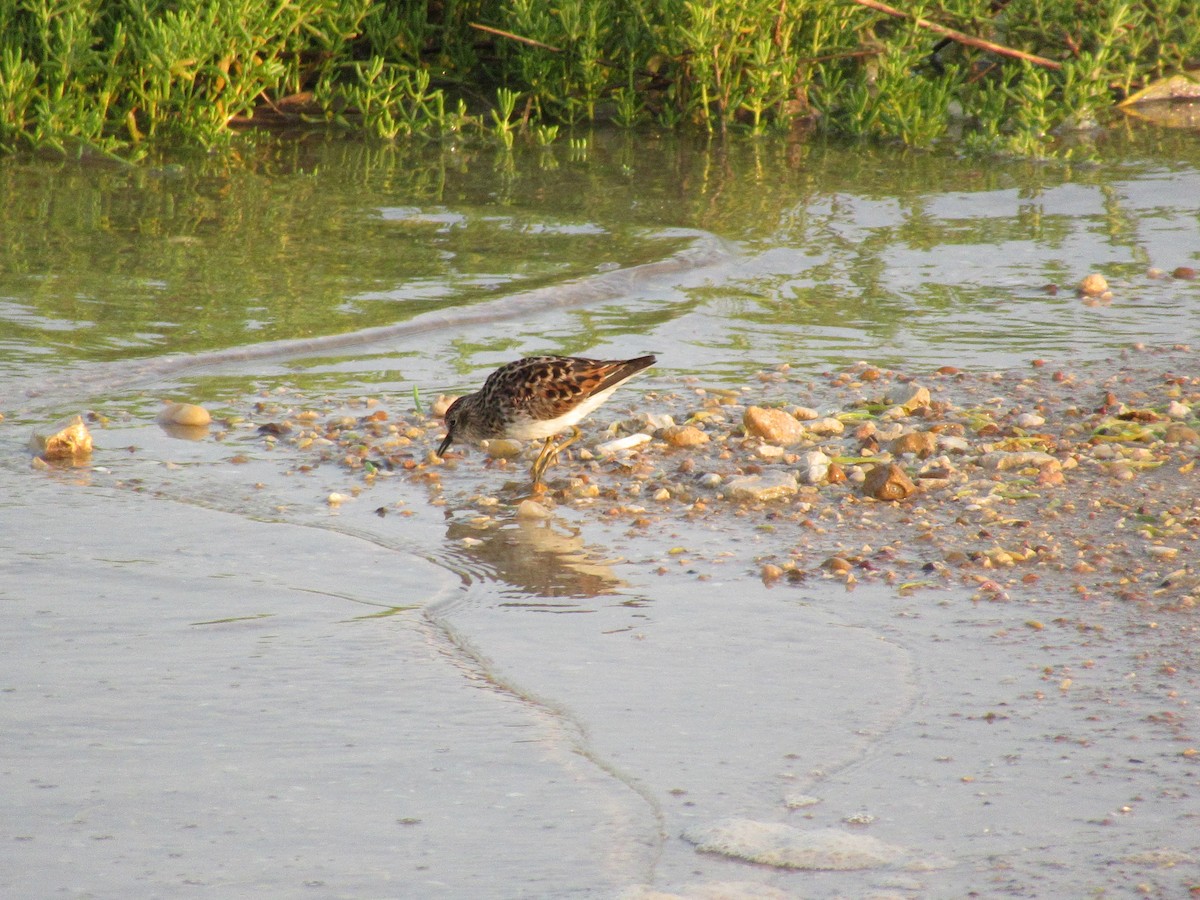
x,y
441,404
773,425
1001,461
825,425
503,448
888,483
772,486
531,509
184,414
66,439
919,443
1093,285
684,436
1178,433
909,396
813,467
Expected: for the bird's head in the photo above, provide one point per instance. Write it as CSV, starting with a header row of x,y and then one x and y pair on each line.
x,y
452,413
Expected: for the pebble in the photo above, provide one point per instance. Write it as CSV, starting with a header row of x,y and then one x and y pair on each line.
x,y
1001,461
684,436
909,397
772,486
503,448
826,425
184,414
919,443
1178,433
888,482
799,801
1164,553
805,413
813,467
441,404
769,451
1177,410
1093,285
710,480
657,421
953,443
66,439
624,443
890,432
1029,420
773,425
531,509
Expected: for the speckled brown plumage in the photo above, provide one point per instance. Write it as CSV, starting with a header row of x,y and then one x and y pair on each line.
x,y
537,398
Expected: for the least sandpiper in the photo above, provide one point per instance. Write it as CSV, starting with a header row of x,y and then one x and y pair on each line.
x,y
535,398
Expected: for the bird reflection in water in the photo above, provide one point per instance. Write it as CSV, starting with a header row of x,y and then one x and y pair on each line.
x,y
543,558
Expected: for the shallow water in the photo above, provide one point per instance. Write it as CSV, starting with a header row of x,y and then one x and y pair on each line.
x,y
214,678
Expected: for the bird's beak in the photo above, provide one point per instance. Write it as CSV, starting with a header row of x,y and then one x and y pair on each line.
x,y
445,445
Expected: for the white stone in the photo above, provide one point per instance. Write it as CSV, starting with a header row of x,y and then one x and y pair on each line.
x,y
625,443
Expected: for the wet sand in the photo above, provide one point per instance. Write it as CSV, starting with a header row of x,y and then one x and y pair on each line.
x,y
994,677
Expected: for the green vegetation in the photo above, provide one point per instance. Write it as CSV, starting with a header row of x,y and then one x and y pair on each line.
x,y
124,76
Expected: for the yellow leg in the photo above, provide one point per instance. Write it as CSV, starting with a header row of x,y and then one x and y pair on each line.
x,y
549,454
543,460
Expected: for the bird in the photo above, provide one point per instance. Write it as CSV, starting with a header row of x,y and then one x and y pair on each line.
x,y
537,398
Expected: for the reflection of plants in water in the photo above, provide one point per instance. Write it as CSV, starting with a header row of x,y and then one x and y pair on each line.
x,y
296,238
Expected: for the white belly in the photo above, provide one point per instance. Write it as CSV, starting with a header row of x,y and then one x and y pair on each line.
x,y
539,429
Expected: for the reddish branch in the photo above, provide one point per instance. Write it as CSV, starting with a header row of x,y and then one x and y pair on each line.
x,y
960,37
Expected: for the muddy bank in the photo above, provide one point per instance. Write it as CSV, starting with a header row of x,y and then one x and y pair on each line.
x,y
1076,481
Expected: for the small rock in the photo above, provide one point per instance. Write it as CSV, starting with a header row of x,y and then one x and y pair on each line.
x,y
768,451
804,413
1093,285
1185,272
531,509
335,499
1164,553
1177,410
657,421
710,480
65,439
441,404
1001,461
813,467
772,486
684,436
770,572
826,425
888,483
1178,433
909,397
952,443
625,443
503,448
920,443
799,801
773,425
184,414
1029,420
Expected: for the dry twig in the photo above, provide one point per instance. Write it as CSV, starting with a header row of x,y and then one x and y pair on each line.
x,y
960,37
